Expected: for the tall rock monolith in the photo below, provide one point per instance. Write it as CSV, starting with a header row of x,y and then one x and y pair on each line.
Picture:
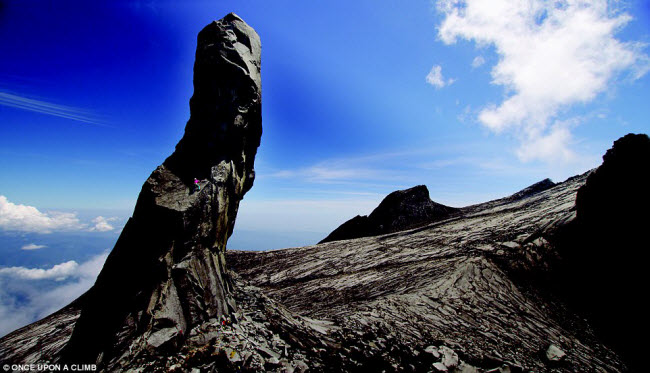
x,y
167,271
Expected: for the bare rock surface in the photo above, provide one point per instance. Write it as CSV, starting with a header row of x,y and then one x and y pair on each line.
x,y
454,283
40,341
463,294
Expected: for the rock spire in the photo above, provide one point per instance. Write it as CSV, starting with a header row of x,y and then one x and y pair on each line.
x,y
167,271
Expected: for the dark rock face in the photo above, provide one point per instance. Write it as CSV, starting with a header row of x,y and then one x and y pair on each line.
x,y
619,185
539,186
167,271
605,249
400,210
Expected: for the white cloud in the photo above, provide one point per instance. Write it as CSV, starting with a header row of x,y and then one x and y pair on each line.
x,y
24,218
102,225
552,55
57,272
553,146
23,300
29,219
478,61
32,246
436,79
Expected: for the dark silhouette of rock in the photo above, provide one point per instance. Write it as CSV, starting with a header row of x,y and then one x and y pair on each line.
x,y
167,271
604,250
400,210
539,186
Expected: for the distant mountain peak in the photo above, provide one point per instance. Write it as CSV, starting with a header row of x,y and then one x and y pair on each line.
x,y
400,210
539,186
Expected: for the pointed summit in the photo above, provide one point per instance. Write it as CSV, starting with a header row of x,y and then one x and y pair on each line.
x,y
400,210
167,271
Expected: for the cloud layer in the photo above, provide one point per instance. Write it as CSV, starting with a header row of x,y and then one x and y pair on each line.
x,y
57,272
101,224
552,55
29,219
23,218
29,294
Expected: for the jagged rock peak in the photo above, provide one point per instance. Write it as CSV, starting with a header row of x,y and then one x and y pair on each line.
x,y
167,270
225,119
621,179
539,186
416,196
400,210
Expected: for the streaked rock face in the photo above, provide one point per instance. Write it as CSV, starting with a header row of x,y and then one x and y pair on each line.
x,y
472,283
167,270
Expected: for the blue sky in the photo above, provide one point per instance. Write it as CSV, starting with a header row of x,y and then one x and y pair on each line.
x,y
359,100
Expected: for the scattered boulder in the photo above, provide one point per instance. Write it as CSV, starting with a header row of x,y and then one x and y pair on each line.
x,y
502,369
554,354
449,357
433,350
440,367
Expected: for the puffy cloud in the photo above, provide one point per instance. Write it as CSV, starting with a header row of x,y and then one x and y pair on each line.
x,y
552,55
478,61
436,79
29,219
29,294
57,272
101,224
32,246
552,146
23,218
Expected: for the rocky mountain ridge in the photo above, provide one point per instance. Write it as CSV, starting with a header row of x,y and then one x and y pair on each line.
x,y
464,294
